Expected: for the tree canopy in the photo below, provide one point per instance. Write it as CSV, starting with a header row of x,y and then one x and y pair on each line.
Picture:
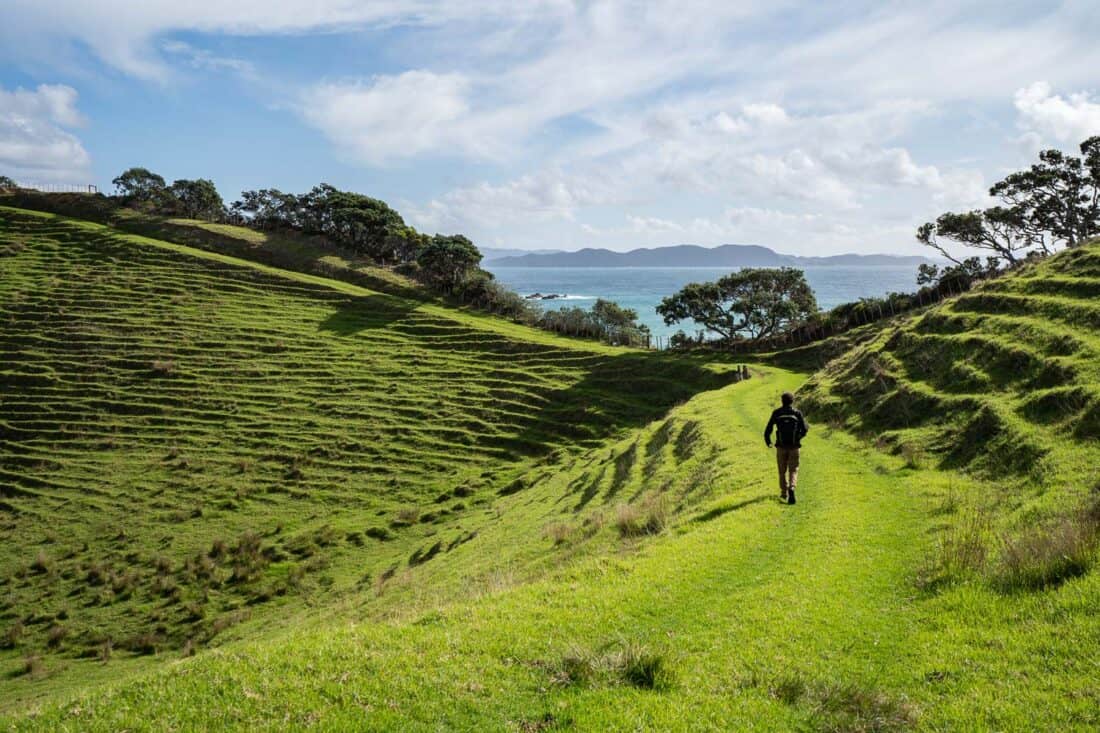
x,y
447,259
753,302
140,185
1056,202
197,199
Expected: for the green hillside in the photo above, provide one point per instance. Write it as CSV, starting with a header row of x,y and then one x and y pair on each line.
x,y
186,440
1003,381
290,503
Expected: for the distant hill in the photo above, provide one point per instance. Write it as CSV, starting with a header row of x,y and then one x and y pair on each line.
x,y
692,255
496,253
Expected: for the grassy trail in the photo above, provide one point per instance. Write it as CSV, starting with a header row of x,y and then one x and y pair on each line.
x,y
747,598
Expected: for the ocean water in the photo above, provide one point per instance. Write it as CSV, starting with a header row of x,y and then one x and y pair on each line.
x,y
642,288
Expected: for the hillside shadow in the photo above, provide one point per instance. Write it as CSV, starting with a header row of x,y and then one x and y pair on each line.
x,y
618,393
365,313
719,511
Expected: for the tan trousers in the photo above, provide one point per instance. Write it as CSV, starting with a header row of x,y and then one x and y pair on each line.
x,y
787,458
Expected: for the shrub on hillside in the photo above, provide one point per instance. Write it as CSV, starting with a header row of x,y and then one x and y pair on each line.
x,y
605,321
481,290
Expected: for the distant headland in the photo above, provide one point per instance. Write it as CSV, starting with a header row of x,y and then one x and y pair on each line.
x,y
692,255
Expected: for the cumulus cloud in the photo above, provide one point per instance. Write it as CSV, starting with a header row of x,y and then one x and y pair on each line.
x,y
35,146
1051,117
392,117
545,196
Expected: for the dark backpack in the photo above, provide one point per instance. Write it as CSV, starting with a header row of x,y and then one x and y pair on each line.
x,y
787,433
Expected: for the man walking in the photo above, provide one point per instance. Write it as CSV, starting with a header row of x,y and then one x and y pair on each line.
x,y
790,429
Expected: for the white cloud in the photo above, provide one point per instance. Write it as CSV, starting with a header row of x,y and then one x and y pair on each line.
x,y
548,195
789,171
587,111
122,33
1049,116
394,116
203,59
35,147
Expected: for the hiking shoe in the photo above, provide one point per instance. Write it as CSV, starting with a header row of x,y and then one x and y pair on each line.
x,y
790,496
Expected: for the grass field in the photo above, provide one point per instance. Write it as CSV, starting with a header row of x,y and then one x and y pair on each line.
x,y
187,439
394,516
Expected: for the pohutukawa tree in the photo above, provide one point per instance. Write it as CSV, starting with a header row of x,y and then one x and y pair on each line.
x,y
197,199
753,303
140,185
1056,202
446,260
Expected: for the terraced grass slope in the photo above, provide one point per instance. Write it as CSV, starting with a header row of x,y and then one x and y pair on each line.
x,y
188,442
745,615
635,575
1004,380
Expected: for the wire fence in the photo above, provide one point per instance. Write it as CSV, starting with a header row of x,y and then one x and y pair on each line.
x,y
59,187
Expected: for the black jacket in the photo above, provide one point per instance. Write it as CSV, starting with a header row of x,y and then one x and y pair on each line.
x,y
789,426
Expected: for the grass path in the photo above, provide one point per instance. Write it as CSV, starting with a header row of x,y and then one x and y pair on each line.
x,y
759,596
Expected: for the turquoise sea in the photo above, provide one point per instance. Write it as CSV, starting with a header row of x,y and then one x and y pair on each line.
x,y
642,288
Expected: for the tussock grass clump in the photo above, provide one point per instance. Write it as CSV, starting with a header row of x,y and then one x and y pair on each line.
x,y
840,707
34,667
651,515
559,532
146,642
622,662
379,533
248,560
949,502
854,709
961,551
42,564
55,635
12,635
1048,555
913,455
638,666
163,367
1040,556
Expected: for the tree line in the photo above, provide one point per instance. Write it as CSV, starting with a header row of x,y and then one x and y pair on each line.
x,y
446,264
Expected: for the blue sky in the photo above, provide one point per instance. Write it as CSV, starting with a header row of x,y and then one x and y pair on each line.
x,y
809,127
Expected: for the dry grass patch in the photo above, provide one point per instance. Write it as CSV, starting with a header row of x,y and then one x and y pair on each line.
x,y
1048,555
559,532
649,516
